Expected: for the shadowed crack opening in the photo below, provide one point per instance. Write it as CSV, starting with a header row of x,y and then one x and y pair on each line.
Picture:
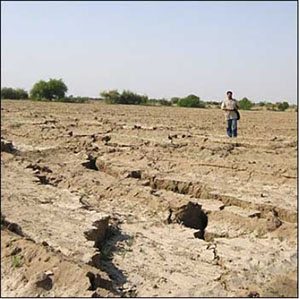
x,y
13,227
43,179
38,167
105,238
190,215
91,163
45,283
97,282
104,260
136,174
8,147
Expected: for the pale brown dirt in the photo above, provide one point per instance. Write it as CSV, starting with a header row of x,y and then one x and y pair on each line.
x,y
199,214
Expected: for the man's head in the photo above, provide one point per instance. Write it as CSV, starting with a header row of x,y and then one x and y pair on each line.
x,y
229,94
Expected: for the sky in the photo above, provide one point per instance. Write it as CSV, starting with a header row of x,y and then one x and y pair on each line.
x,y
161,49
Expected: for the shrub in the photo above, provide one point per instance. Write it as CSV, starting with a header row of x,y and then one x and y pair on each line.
x,y
110,97
283,106
52,90
13,94
16,261
152,102
261,104
214,103
245,104
175,100
130,98
127,97
72,99
191,101
144,100
164,102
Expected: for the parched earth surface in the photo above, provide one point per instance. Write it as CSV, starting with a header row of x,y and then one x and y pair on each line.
x,y
103,200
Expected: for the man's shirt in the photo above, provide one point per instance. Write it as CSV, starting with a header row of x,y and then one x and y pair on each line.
x,y
231,105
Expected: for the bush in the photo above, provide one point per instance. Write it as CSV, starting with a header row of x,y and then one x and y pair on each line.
x,y
245,104
144,100
164,102
214,103
130,98
152,102
72,99
191,101
13,94
283,106
110,97
175,100
261,104
52,90
127,97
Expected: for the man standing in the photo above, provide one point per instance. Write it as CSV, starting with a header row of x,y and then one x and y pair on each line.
x,y
230,107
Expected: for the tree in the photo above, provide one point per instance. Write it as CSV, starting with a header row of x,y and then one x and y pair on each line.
x,y
8,93
245,104
40,90
57,88
13,94
191,101
53,89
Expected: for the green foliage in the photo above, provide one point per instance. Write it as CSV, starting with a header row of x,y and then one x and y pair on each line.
x,y
72,99
130,98
270,106
245,104
152,102
191,101
13,94
262,104
282,106
214,103
54,89
40,91
110,97
164,102
175,100
127,97
144,100
16,261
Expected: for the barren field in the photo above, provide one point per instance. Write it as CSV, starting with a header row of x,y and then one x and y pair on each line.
x,y
105,200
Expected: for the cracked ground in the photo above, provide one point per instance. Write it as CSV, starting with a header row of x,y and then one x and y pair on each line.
x,y
105,200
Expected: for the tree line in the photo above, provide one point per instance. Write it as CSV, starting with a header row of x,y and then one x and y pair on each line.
x,y
56,89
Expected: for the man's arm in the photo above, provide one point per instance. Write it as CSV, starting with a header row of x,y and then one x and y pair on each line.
x,y
223,106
